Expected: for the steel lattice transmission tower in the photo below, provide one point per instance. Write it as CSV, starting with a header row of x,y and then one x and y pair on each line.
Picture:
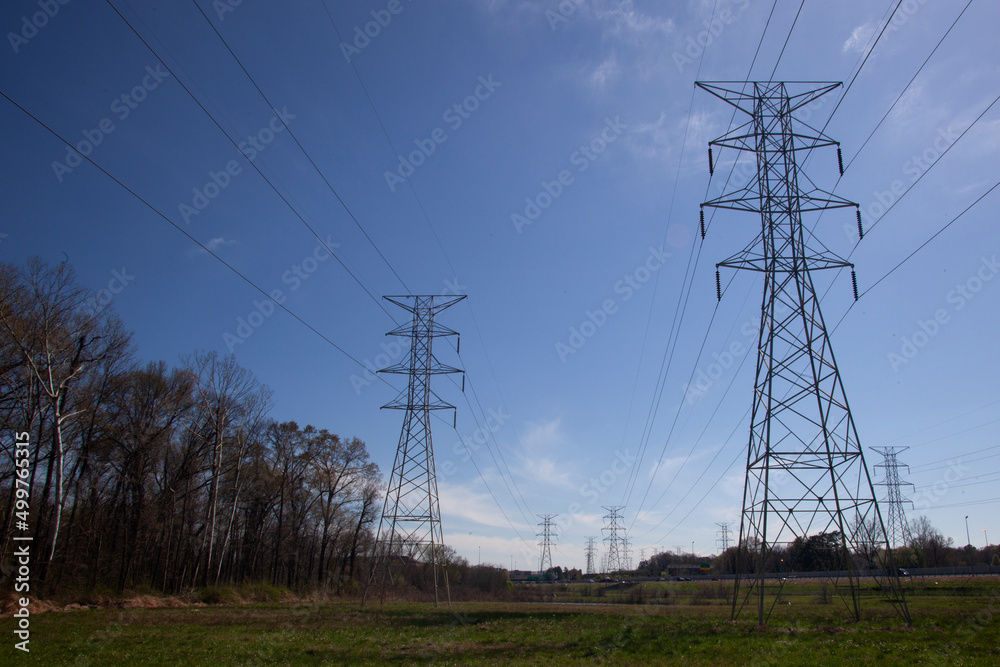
x,y
617,556
591,551
897,528
805,469
724,539
547,534
410,528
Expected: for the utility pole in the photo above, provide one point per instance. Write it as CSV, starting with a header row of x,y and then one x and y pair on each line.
x,y
617,558
801,429
591,551
410,528
897,529
548,532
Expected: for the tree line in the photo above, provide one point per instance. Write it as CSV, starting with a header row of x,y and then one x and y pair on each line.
x,y
925,546
157,476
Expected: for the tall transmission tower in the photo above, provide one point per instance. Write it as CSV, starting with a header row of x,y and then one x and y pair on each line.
x,y
410,528
897,528
805,470
548,532
613,526
723,533
591,551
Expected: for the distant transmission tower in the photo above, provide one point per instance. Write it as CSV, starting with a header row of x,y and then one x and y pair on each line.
x,y
723,540
548,532
410,528
617,557
806,472
591,552
897,528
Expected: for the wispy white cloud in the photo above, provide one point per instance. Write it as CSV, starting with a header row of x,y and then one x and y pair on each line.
x,y
544,460
605,73
860,37
463,502
624,21
660,140
213,245
651,140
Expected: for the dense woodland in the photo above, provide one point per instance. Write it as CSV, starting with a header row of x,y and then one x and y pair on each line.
x,y
160,477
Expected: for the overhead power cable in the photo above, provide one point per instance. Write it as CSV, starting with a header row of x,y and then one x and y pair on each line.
x,y
475,322
677,323
299,144
252,163
183,231
906,88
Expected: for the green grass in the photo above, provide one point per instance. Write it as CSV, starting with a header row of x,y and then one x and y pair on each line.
x,y
954,623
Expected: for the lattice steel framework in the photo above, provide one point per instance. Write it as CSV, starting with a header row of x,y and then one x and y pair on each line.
x,y
897,528
410,528
591,552
805,468
547,535
723,533
613,526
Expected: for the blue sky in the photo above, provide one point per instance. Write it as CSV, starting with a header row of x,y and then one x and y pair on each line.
x,y
586,110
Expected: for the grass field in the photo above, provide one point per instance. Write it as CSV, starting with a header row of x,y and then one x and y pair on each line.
x,y
955,622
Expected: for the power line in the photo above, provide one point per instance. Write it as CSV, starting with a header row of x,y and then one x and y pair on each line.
x,y
494,497
927,428
299,144
251,162
633,473
924,467
787,38
487,435
834,329
934,236
385,132
475,322
676,324
855,77
907,87
186,233
987,501
952,435
897,265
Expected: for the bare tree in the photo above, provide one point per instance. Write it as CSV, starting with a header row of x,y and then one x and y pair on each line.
x,y
58,341
221,395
